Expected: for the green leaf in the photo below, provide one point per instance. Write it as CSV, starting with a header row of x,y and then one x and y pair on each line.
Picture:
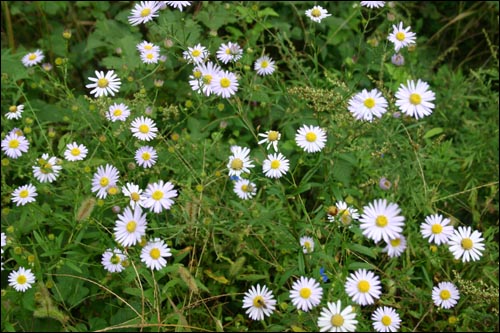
x,y
433,132
363,250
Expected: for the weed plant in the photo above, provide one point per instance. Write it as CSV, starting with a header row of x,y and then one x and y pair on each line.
x,y
349,198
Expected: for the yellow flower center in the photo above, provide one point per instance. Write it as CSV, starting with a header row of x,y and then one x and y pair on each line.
x,y
369,102
24,193
14,143
258,301
157,195
117,112
395,242
131,226
146,156
104,181
144,128
415,99
400,36
346,217
244,187
363,286
237,164
148,47
145,12
316,12
264,64
307,245
275,164
467,243
197,74
433,248
113,190
311,137
437,228
228,51
135,196
21,279
32,56
102,83
305,292
337,320
155,253
75,151
115,259
386,320
13,108
444,294
149,56
381,221
273,136
196,53
225,82
207,79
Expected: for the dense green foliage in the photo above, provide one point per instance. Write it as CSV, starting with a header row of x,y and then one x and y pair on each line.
x,y
445,163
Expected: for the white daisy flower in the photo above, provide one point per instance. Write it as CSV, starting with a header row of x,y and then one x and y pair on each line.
x,y
264,65
14,145
224,84
15,111
150,57
75,152
259,302
104,84
310,138
306,293
385,319
437,229
344,213
244,189
153,254
363,287
32,58
130,226
24,194
373,4
48,169
271,138
22,279
103,179
396,246
466,244
415,100
112,260
401,37
445,295
381,220
118,112
333,319
158,196
239,162
144,128
146,46
367,104
178,4
203,75
317,13
196,54
3,240
144,12
275,165
146,156
133,191
229,52
307,244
